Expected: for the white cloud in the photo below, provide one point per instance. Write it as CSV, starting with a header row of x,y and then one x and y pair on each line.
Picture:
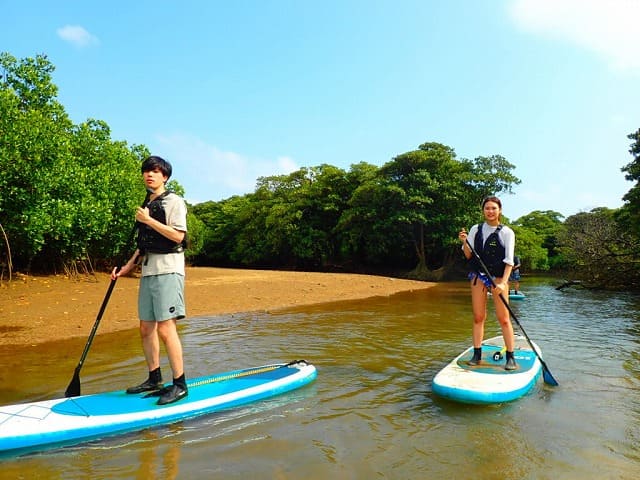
x,y
77,36
208,173
607,27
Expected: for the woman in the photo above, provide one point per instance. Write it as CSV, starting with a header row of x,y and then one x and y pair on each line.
x,y
495,244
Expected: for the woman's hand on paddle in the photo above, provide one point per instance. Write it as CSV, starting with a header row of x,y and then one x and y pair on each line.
x,y
501,287
462,236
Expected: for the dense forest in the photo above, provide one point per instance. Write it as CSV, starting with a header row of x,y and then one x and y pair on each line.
x,y
67,193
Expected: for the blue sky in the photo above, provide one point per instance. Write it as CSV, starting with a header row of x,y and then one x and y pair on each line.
x,y
229,91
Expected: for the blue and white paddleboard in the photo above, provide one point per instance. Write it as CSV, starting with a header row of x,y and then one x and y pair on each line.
x,y
489,382
39,425
513,295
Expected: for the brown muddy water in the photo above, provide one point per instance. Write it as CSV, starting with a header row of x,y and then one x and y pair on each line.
x,y
370,413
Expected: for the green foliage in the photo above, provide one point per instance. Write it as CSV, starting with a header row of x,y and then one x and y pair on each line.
x,y
65,187
533,256
537,240
297,216
428,188
195,236
629,214
320,217
437,196
602,253
369,226
492,176
175,187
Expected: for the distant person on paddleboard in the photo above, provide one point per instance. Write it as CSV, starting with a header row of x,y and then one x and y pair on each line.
x,y
162,228
515,274
495,244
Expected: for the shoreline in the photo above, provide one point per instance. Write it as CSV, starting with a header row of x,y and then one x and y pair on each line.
x,y
39,309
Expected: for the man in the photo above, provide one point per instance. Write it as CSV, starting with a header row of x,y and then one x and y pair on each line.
x,y
161,239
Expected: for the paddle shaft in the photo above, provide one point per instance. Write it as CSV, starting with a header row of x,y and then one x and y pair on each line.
x,y
73,390
548,378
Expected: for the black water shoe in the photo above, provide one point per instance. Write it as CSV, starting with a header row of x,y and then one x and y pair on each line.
x,y
511,364
172,393
146,386
477,357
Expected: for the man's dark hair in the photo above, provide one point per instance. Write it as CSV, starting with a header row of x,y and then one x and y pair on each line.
x,y
153,162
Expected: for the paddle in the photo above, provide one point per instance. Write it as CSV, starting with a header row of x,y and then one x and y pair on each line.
x,y
546,374
73,390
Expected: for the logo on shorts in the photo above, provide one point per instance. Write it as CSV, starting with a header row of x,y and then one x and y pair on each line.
x,y
172,309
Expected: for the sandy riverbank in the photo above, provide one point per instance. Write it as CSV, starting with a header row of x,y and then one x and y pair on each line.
x,y
39,309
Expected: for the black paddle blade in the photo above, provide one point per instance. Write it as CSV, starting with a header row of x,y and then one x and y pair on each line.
x,y
73,390
547,377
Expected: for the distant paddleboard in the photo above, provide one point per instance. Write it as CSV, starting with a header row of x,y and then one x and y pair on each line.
x,y
39,425
513,295
489,382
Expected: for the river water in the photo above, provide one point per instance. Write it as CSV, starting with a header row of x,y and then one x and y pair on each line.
x,y
370,413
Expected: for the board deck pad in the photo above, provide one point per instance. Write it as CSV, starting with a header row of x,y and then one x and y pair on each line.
x,y
524,358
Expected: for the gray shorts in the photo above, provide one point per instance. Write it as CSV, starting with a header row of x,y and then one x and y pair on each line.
x,y
161,297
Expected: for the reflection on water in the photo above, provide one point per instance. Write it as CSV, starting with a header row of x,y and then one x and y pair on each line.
x,y
370,412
